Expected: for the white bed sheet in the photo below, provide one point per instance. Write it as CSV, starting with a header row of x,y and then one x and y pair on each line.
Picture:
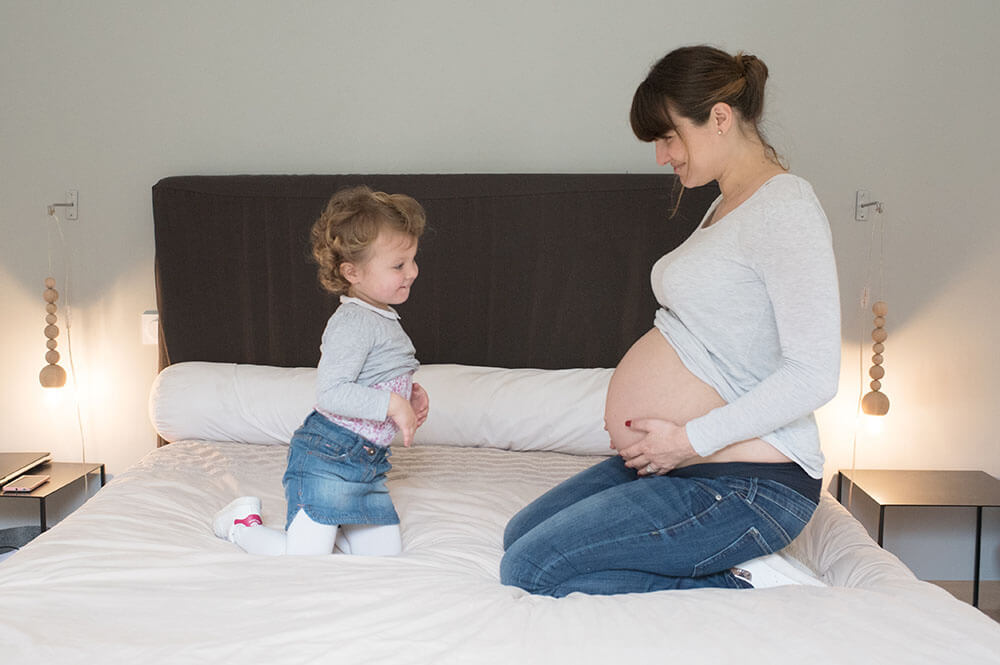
x,y
136,574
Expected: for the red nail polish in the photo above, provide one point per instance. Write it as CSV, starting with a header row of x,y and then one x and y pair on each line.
x,y
628,423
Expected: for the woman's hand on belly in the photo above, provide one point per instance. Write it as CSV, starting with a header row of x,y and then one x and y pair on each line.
x,y
663,446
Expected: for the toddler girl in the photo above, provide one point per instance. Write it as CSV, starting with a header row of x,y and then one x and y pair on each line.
x,y
365,243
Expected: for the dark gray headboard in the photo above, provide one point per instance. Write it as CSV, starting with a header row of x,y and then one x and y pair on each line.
x,y
538,270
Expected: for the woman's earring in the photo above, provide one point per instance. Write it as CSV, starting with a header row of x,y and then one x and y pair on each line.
x,y
720,132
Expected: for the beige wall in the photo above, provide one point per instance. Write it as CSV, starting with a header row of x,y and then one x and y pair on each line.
x,y
896,97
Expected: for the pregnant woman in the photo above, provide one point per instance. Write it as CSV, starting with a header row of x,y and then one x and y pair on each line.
x,y
711,412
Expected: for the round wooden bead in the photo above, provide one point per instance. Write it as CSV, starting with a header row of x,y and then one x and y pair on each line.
x,y
876,372
878,347
49,282
52,376
877,359
875,404
880,308
879,335
50,308
50,295
879,321
876,385
51,318
51,331
52,357
51,343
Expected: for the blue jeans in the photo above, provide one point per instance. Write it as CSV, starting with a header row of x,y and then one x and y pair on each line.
x,y
607,531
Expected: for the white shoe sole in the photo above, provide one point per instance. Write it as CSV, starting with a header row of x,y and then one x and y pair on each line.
x,y
778,570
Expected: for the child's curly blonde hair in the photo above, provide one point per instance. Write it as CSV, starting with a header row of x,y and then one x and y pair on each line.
x,y
351,223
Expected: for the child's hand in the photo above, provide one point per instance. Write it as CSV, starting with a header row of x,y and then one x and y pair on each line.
x,y
420,402
402,414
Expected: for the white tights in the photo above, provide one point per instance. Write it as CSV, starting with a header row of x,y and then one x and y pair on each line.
x,y
305,536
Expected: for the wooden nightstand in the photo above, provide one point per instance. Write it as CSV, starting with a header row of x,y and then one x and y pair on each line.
x,y
61,474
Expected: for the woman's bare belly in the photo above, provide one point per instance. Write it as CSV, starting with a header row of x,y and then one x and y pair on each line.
x,y
652,382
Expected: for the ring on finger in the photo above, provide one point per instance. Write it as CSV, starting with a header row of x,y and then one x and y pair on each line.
x,y
650,468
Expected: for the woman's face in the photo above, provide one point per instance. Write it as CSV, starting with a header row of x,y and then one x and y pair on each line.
x,y
690,150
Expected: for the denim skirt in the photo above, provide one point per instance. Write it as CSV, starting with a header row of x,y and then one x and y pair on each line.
x,y
337,476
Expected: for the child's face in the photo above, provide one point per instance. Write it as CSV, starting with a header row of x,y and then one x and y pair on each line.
x,y
385,277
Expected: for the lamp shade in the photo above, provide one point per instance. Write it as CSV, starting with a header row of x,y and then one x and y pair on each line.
x,y
875,403
52,376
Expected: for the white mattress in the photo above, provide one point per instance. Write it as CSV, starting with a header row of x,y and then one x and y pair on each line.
x,y
136,573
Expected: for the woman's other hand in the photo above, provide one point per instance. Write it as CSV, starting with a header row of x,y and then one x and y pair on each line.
x,y
663,446
420,402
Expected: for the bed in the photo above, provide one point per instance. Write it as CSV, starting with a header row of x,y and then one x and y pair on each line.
x,y
531,288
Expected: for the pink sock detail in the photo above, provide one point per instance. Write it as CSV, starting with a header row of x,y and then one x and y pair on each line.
x,y
250,520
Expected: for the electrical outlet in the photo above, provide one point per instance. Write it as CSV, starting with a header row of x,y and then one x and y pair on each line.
x,y
150,327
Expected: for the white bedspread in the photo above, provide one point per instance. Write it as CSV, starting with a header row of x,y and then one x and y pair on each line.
x,y
136,575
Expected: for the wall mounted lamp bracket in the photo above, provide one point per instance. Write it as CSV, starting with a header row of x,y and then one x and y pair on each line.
x,y
863,202
72,205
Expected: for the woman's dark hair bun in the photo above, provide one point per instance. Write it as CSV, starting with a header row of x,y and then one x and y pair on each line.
x,y
689,81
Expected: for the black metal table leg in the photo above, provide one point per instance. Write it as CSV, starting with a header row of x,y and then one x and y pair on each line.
x,y
881,523
41,515
979,546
